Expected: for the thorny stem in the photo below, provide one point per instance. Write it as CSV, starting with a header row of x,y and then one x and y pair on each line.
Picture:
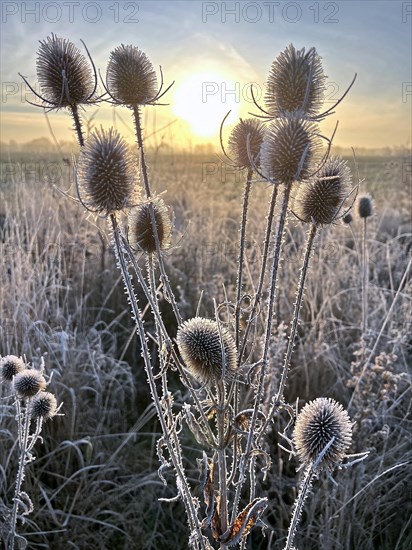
x,y
221,457
259,392
296,313
20,474
303,493
185,490
156,313
266,243
165,279
364,281
77,124
167,397
239,281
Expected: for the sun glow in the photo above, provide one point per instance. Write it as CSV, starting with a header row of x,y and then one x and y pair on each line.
x,y
203,99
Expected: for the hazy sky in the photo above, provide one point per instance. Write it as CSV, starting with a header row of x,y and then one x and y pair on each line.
x,y
214,50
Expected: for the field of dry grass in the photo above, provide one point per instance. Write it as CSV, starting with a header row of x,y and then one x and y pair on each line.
x,y
94,483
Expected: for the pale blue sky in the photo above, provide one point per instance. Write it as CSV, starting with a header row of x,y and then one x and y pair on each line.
x,y
372,38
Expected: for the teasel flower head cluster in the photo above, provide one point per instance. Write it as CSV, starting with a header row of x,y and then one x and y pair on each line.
x,y
320,199
28,382
296,82
130,77
10,365
320,422
141,235
66,77
245,142
365,206
29,385
200,342
106,173
290,150
44,406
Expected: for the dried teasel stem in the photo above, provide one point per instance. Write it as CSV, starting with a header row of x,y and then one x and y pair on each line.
x,y
136,313
167,397
298,506
264,360
365,210
265,255
239,280
77,124
156,312
298,304
164,278
221,459
23,444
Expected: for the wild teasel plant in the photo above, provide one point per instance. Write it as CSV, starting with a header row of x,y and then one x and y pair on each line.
x,y
33,406
321,437
364,210
66,79
221,367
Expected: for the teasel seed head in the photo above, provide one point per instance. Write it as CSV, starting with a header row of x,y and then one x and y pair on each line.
x,y
131,78
28,382
246,131
365,206
296,82
289,150
317,423
320,198
347,219
64,73
141,235
44,405
200,346
106,173
10,365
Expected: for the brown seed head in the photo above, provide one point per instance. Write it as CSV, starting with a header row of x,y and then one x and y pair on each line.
x,y
106,173
200,346
289,150
28,382
130,77
44,405
141,235
347,219
10,365
249,131
365,206
317,423
296,82
319,199
63,72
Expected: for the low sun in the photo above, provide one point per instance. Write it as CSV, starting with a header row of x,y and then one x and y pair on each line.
x,y
203,99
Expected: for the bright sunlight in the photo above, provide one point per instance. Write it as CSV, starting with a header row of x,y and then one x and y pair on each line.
x,y
203,99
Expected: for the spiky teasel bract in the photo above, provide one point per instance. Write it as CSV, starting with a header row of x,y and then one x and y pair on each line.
x,y
320,198
44,405
296,82
318,422
10,365
130,78
246,135
200,345
28,382
106,173
141,234
290,150
64,74
365,206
